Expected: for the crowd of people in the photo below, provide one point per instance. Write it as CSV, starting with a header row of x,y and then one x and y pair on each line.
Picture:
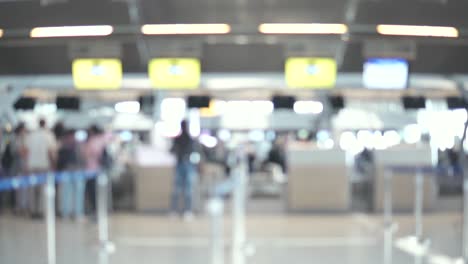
x,y
33,152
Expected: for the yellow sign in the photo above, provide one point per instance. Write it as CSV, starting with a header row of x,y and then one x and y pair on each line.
x,y
311,73
175,73
97,74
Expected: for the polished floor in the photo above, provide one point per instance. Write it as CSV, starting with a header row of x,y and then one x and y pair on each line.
x,y
273,238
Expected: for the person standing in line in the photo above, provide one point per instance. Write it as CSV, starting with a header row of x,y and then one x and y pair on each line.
x,y
92,151
72,188
183,147
17,151
42,156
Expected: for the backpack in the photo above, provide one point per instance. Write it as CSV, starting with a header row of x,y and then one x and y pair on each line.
x,y
7,157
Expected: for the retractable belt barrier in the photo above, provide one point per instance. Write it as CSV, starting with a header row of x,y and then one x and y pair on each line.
x,y
236,186
390,227
27,181
48,181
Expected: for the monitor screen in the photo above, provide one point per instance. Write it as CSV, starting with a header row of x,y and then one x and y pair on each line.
x,y
417,102
386,73
283,102
146,103
25,103
336,102
456,103
68,103
198,101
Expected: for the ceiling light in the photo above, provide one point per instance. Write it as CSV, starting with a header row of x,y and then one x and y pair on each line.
x,y
302,28
422,31
71,31
185,29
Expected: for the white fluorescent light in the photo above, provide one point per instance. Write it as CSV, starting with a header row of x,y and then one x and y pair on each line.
x,y
308,107
1,32
185,29
421,31
129,107
71,31
302,28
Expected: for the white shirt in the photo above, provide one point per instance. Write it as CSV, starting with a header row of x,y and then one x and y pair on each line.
x,y
39,143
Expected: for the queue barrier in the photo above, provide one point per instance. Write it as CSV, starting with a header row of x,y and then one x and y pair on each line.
x,y
236,186
390,228
48,181
19,182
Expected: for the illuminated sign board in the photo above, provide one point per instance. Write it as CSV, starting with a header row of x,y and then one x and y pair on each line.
x,y
97,74
175,73
316,73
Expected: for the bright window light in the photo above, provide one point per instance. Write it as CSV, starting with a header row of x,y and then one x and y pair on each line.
x,y
129,107
81,135
391,138
194,123
1,32
421,31
412,134
173,109
308,107
256,135
168,129
302,28
262,107
126,136
224,135
348,140
208,141
185,29
366,138
71,31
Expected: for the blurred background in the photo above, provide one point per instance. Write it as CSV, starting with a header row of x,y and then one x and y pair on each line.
x,y
238,131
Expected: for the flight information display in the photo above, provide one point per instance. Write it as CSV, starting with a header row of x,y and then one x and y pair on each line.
x,y
97,74
386,73
311,73
175,73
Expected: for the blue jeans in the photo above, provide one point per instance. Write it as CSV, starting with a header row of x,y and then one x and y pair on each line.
x,y
72,196
183,185
66,195
79,187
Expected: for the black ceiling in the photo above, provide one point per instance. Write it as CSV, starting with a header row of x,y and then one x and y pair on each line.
x,y
53,58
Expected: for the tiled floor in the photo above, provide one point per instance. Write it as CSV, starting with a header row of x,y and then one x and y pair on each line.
x,y
142,239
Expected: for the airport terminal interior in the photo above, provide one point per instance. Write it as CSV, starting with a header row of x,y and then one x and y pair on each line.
x,y
233,131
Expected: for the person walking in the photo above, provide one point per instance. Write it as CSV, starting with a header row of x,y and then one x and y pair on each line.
x,y
183,147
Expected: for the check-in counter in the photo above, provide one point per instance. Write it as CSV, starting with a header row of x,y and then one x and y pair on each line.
x,y
318,180
154,174
403,184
